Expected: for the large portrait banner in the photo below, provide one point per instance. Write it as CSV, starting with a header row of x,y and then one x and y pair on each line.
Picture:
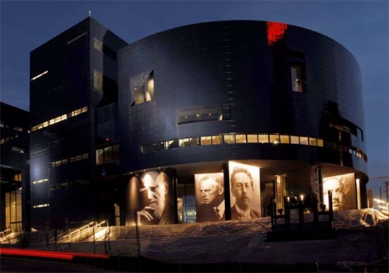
x,y
245,192
150,198
209,193
343,192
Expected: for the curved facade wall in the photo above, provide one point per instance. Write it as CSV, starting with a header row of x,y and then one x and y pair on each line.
x,y
281,99
244,69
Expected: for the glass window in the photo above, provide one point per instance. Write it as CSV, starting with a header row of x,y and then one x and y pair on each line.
x,y
263,138
97,45
183,142
98,81
312,141
320,142
297,78
229,139
294,140
252,138
142,87
274,138
240,138
284,139
216,139
304,140
108,154
206,140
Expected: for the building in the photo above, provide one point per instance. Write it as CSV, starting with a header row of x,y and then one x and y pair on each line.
x,y
73,101
14,168
195,123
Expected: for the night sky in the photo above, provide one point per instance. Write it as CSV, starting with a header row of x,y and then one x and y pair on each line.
x,y
360,26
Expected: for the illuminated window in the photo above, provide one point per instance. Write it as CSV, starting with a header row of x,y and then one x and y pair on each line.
x,y
206,140
97,45
99,156
294,140
78,157
71,159
229,139
17,150
274,138
320,142
284,139
188,142
216,139
263,138
296,77
64,161
85,156
211,113
98,81
18,129
304,140
18,177
312,141
40,75
142,87
41,206
13,210
240,138
252,138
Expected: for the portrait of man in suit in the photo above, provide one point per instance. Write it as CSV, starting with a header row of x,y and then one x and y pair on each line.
x,y
210,198
158,209
242,188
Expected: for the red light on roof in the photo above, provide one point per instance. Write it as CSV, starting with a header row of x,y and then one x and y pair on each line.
x,y
107,139
275,32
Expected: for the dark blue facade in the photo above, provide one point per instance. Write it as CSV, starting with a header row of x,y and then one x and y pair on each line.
x,y
283,99
236,64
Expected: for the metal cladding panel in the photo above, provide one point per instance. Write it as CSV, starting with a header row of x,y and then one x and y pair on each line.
x,y
241,65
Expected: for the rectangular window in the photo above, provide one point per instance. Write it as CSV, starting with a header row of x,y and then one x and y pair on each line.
x,y
294,140
252,138
206,140
18,177
17,150
263,138
98,81
312,141
229,139
240,138
216,140
284,139
304,140
97,45
211,113
142,87
274,138
297,78
320,142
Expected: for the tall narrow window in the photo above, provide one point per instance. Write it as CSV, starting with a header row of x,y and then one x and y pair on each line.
x,y
297,78
142,87
98,81
97,45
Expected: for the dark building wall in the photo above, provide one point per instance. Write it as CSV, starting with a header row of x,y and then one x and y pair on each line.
x,y
235,64
80,77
